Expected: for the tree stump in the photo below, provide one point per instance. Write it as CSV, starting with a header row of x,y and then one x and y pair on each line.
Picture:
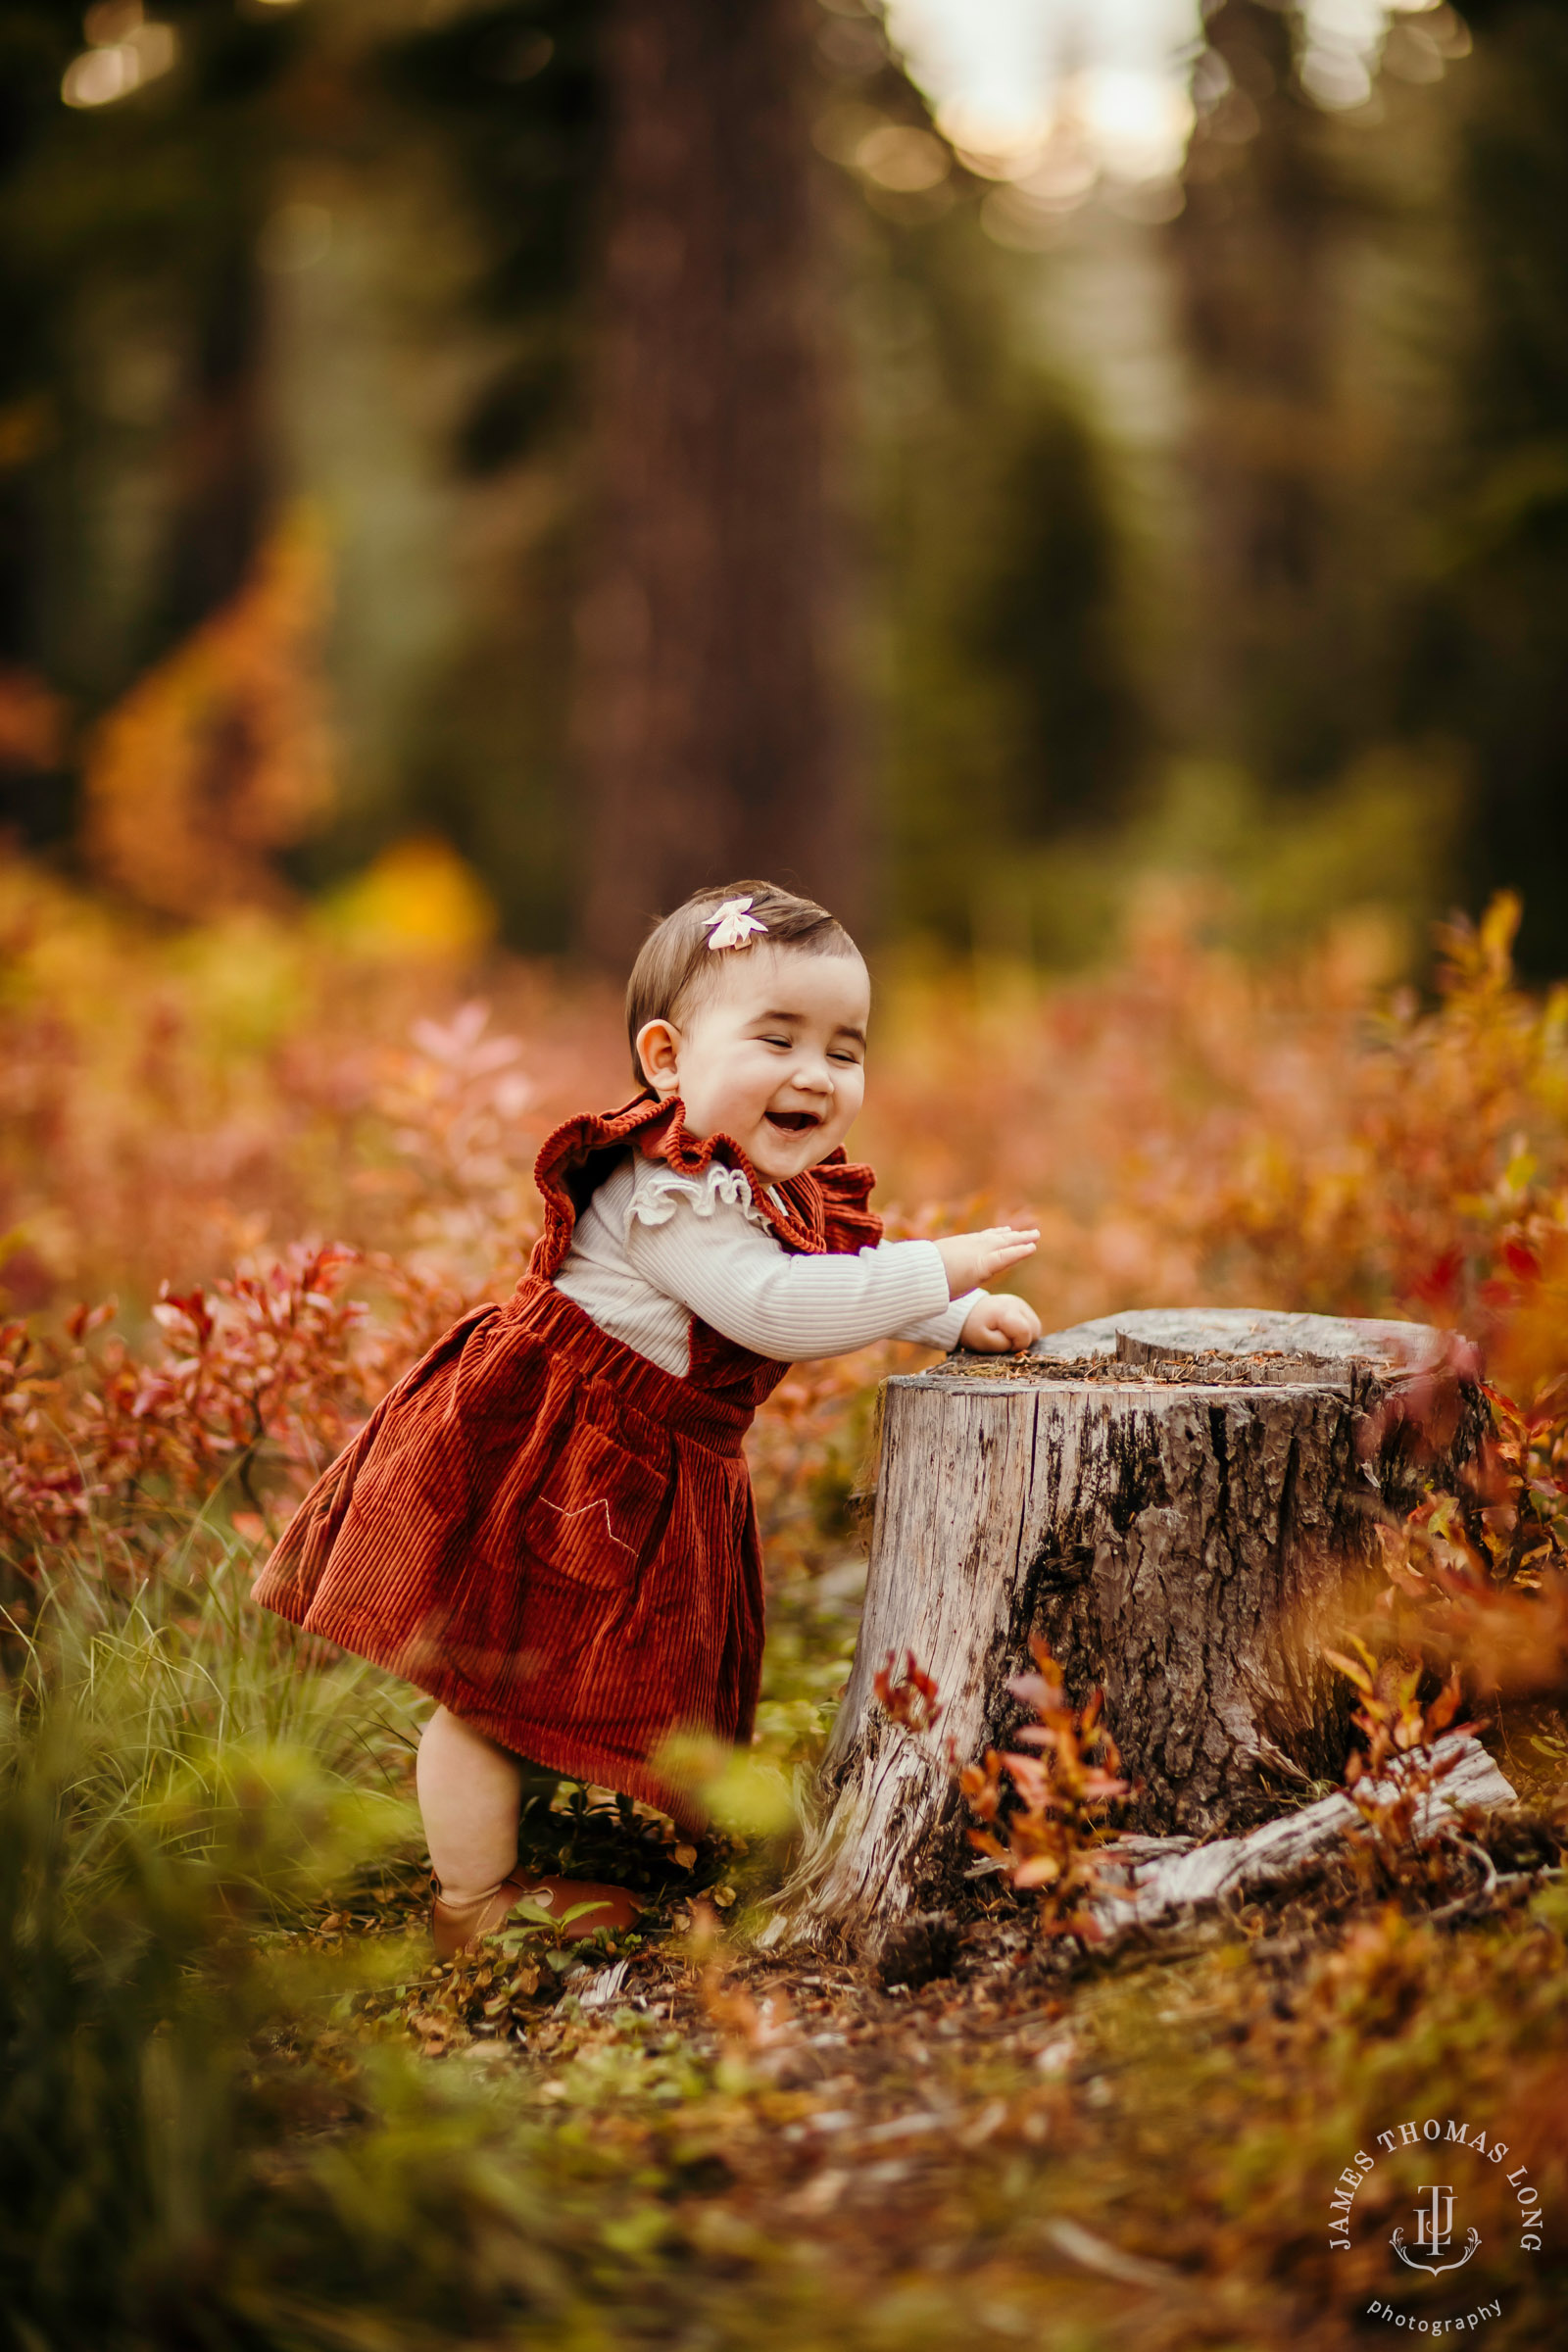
x,y
1184,1505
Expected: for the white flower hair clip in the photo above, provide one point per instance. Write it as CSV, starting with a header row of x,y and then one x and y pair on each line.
x,y
730,926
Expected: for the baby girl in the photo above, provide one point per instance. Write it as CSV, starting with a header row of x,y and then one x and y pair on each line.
x,y
547,1524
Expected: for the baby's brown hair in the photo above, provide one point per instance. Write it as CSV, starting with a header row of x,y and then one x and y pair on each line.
x,y
675,961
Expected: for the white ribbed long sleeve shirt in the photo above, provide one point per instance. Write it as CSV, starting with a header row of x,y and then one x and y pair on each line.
x,y
654,1248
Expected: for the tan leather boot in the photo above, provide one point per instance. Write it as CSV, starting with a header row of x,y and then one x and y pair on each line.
x,y
455,1926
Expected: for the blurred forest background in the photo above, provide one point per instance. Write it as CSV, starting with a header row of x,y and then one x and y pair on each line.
x,y
538,454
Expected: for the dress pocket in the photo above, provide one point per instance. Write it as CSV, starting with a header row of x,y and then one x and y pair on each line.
x,y
595,1516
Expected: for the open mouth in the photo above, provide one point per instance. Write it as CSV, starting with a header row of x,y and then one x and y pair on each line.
x,y
793,1122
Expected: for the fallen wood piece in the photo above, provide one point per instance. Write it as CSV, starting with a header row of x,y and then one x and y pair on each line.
x,y
1182,1506
1080,2245
598,1988
1150,1881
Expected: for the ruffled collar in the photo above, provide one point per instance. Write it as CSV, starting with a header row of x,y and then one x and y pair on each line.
x,y
794,1208
825,1209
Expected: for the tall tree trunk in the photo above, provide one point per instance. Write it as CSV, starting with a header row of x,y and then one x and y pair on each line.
x,y
710,720
1493,654
1253,247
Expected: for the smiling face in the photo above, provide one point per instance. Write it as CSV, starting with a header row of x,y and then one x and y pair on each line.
x,y
772,1054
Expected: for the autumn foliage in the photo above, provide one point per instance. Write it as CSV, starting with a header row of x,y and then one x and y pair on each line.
x,y
250,1171
1051,1796
907,1695
222,754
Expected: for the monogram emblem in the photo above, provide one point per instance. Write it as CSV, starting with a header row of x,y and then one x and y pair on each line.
x,y
1434,2233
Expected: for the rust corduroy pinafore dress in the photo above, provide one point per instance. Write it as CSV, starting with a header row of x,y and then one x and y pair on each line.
x,y
548,1533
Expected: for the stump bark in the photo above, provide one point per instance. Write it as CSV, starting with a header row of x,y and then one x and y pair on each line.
x,y
1184,1505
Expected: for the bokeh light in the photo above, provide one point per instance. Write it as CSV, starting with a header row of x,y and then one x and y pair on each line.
x,y
126,51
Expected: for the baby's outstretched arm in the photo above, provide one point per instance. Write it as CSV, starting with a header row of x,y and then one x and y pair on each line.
x,y
735,1277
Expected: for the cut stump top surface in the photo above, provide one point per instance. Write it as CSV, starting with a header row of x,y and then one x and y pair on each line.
x,y
1228,1346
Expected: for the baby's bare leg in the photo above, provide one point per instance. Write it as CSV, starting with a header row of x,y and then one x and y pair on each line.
x,y
470,1794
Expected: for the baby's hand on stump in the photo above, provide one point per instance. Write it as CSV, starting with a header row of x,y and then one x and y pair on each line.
x,y
972,1258
999,1326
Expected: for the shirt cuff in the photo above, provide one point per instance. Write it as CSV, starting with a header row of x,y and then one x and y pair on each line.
x,y
945,1328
